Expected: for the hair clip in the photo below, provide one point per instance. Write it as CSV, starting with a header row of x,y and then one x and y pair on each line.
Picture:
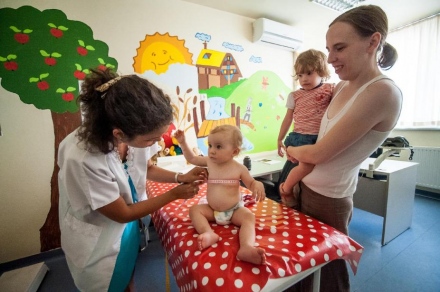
x,y
107,85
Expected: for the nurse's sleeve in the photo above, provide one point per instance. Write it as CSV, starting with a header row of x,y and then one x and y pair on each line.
x,y
101,186
139,172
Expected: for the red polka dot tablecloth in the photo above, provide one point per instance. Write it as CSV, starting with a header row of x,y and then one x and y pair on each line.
x,y
293,243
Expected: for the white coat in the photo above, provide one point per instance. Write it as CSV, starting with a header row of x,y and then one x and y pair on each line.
x,y
88,181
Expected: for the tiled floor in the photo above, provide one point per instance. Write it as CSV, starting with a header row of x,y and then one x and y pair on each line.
x,y
411,262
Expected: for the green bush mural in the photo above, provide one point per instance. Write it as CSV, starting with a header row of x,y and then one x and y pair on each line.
x,y
43,55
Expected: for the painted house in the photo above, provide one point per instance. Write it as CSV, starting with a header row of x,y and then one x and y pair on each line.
x,y
216,68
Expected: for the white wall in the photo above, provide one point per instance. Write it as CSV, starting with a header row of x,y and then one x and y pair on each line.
x,y
27,144
26,166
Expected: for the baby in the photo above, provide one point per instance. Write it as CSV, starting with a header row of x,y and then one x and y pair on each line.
x,y
223,193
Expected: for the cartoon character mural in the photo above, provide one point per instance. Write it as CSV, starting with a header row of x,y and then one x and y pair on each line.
x,y
247,114
158,51
215,92
44,57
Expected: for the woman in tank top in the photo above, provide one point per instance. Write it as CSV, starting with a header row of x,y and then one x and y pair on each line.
x,y
365,108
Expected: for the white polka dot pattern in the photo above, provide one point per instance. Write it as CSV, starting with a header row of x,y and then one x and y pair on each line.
x,y
293,242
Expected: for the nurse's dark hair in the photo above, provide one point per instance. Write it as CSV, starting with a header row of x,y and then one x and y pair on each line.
x,y
366,20
131,104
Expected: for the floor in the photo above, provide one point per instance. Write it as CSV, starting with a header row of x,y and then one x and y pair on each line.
x,y
411,262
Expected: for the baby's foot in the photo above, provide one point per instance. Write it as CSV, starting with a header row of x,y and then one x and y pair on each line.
x,y
207,239
254,255
287,198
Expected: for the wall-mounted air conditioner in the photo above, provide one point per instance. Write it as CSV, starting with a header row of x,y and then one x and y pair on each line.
x,y
277,34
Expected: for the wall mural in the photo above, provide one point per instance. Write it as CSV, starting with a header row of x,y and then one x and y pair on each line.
x,y
44,56
212,91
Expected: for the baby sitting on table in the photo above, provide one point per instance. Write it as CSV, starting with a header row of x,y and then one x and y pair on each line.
x,y
225,204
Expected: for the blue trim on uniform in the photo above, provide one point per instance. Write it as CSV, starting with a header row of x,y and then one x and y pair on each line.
x,y
128,251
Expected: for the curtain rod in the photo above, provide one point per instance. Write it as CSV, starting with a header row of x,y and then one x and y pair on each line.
x,y
415,22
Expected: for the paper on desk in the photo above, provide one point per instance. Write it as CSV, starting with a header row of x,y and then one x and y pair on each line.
x,y
268,161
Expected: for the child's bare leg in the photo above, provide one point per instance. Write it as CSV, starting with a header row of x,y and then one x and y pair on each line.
x,y
200,216
248,252
297,174
287,188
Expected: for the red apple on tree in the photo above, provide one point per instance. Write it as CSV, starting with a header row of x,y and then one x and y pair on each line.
x,y
50,61
41,84
11,66
79,73
103,66
50,58
83,49
21,36
8,63
57,31
67,94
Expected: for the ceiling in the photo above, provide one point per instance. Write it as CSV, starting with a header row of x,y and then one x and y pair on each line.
x,y
314,19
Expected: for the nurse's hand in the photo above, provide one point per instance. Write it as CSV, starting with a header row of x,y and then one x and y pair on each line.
x,y
187,190
195,174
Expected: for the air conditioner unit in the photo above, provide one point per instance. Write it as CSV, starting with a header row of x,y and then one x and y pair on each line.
x,y
277,34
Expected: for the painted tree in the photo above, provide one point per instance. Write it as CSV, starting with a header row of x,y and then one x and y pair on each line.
x,y
43,57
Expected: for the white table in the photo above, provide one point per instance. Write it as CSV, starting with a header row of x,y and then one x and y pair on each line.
x,y
389,194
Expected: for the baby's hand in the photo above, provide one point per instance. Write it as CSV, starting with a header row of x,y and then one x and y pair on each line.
x,y
180,136
258,192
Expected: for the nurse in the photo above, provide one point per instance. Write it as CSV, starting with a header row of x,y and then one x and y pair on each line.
x,y
104,165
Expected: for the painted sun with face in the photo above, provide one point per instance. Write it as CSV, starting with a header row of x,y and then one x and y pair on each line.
x,y
157,52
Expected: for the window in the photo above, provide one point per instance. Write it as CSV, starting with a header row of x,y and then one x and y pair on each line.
x,y
417,73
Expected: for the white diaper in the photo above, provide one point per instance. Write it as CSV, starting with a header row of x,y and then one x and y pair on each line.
x,y
224,217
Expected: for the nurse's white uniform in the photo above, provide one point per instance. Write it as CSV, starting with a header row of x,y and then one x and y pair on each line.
x,y
88,181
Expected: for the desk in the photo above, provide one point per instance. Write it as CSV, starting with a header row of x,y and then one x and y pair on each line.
x,y
273,164
390,195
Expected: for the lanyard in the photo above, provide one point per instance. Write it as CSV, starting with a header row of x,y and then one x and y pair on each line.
x,y
130,182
